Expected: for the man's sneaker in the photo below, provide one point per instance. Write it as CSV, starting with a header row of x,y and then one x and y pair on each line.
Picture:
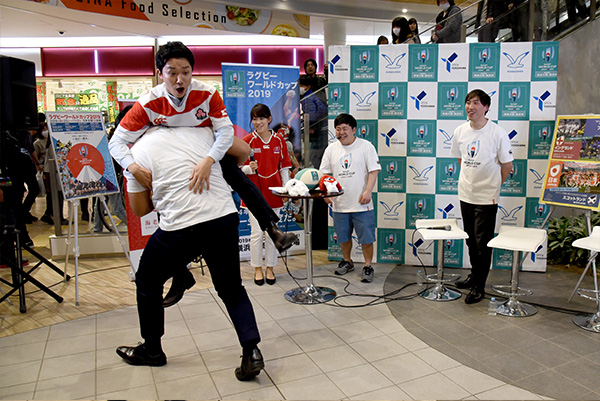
x,y
344,267
367,274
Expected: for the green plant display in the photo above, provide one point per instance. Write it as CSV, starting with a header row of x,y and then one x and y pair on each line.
x,y
562,231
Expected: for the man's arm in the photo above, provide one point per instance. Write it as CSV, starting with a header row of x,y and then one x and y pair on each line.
x,y
505,169
140,202
365,197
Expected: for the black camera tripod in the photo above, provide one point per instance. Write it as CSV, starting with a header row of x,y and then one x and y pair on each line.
x,y
9,240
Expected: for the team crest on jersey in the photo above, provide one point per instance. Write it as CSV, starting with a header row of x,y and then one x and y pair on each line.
x,y
201,114
276,150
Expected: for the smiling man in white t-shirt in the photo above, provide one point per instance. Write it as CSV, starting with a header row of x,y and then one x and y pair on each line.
x,y
485,157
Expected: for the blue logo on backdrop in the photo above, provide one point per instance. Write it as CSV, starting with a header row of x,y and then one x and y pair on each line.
x,y
509,215
392,167
392,93
333,62
516,62
365,57
449,61
363,131
492,93
548,54
395,63
418,99
539,178
391,211
512,134
420,205
450,169
541,99
388,136
446,210
421,175
452,94
484,55
447,137
514,94
336,93
364,102
423,56
234,77
540,209
421,131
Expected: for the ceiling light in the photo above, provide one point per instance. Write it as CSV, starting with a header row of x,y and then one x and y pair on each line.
x,y
404,10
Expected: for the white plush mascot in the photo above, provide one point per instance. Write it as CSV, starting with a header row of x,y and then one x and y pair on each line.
x,y
296,188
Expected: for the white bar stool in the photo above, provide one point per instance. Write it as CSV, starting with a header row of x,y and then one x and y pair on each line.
x,y
440,230
516,239
592,244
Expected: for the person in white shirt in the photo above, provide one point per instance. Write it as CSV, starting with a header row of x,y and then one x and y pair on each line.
x,y
190,224
354,163
485,157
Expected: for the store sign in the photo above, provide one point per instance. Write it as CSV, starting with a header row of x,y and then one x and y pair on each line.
x,y
198,14
85,101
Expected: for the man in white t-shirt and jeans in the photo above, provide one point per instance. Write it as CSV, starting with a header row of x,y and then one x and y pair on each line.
x,y
485,157
191,224
353,162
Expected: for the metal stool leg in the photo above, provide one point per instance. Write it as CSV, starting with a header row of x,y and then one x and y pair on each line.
x,y
590,322
439,292
513,307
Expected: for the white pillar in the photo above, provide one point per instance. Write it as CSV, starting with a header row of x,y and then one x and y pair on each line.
x,y
334,34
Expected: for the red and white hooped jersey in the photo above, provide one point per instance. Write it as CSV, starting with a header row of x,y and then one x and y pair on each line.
x,y
271,156
202,106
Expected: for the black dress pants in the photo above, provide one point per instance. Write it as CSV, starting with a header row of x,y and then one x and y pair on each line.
x,y
250,194
479,222
217,241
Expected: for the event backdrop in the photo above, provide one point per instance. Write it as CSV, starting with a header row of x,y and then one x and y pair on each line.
x,y
409,99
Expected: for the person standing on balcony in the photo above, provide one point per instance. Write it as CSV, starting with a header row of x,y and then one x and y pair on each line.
x,y
448,23
488,12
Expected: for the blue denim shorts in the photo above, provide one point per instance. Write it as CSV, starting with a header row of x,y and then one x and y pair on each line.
x,y
363,222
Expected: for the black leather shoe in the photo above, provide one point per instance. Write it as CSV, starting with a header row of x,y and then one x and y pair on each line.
x,y
271,281
251,366
283,241
178,287
466,283
475,295
140,356
259,282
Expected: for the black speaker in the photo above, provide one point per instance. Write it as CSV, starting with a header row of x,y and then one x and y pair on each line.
x,y
18,104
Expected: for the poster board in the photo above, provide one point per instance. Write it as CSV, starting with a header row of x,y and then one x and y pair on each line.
x,y
276,86
573,172
84,165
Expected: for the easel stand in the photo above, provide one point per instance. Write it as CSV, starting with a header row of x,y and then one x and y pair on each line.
x,y
588,218
19,275
73,221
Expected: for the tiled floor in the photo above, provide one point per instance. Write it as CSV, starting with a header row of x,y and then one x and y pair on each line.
x,y
316,352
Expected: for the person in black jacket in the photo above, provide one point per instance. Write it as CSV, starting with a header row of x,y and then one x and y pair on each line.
x,y
488,12
448,23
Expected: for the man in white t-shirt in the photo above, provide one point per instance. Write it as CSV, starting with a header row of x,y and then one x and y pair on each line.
x,y
353,162
485,157
191,224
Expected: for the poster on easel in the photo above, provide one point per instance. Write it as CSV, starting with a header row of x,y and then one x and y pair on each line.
x,y
573,172
83,161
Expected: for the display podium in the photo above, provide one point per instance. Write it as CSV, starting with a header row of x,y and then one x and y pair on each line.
x,y
309,294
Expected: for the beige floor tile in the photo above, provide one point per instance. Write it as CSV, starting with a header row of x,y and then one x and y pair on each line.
x,y
18,392
22,353
433,387
67,387
68,365
216,339
357,331
193,387
404,367
388,393
279,347
436,359
359,379
311,388
300,324
263,393
317,339
72,345
227,384
471,380
374,349
507,392
179,367
335,358
122,378
132,393
291,368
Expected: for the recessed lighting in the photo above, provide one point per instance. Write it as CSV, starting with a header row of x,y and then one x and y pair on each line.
x,y
404,10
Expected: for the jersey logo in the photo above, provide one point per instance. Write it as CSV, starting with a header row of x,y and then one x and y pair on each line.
x,y
160,121
201,114
276,150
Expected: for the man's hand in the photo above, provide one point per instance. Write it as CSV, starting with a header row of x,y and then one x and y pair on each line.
x,y
141,174
329,200
200,175
365,198
489,20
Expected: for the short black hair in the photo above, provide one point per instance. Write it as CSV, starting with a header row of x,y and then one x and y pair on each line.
x,y
484,98
310,60
451,2
260,110
381,39
345,119
173,50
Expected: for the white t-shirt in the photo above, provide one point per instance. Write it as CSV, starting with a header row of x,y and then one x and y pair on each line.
x,y
171,154
482,152
350,165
